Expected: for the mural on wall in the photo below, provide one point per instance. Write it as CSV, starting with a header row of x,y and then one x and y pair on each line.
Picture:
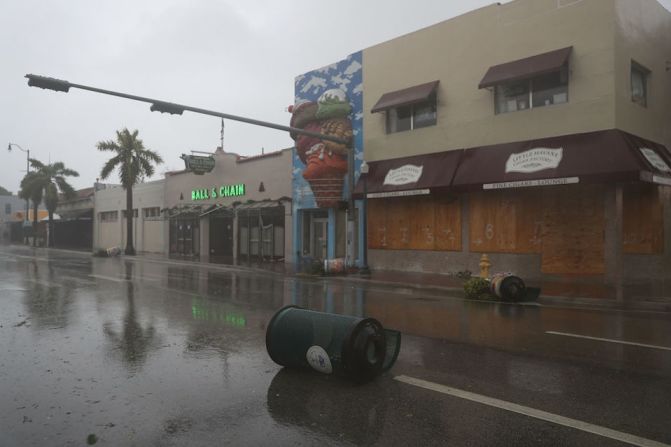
x,y
328,101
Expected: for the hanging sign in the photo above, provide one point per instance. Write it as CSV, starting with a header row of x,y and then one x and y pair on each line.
x,y
534,160
197,164
655,160
222,191
403,175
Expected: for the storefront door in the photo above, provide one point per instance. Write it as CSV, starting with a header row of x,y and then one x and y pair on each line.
x,y
318,241
184,238
221,239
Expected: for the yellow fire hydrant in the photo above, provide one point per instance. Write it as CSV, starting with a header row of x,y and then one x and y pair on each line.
x,y
484,266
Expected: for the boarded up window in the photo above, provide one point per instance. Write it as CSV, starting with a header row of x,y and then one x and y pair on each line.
x,y
415,223
399,215
643,216
377,224
506,221
573,232
447,223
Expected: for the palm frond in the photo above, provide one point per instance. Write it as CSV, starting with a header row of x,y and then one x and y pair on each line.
x,y
35,163
109,145
109,167
64,187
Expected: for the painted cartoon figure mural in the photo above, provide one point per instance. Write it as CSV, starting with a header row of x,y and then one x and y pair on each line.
x,y
328,101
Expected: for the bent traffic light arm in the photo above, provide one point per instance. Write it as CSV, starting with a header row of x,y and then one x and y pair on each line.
x,y
172,108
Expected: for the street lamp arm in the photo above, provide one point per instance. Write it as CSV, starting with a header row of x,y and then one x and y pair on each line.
x,y
9,147
173,108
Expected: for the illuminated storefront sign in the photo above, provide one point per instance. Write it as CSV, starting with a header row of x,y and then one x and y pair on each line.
x,y
222,191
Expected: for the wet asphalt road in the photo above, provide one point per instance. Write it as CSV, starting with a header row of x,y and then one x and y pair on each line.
x,y
156,352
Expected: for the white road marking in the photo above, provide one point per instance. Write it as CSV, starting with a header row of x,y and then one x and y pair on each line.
x,y
532,412
609,340
108,278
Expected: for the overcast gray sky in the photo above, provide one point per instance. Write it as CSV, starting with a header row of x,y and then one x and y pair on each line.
x,y
237,57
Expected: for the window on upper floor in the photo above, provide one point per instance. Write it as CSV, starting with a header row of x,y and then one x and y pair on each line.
x,y
539,91
411,117
535,81
154,211
410,108
109,216
8,208
639,84
124,213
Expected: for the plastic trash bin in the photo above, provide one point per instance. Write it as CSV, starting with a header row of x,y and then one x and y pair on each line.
x,y
353,347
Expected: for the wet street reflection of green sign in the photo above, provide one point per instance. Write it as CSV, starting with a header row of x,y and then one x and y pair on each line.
x,y
202,313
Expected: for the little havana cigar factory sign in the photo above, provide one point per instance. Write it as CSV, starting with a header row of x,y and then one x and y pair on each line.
x,y
404,175
222,191
534,160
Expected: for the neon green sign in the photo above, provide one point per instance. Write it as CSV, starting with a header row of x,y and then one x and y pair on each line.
x,y
199,312
223,191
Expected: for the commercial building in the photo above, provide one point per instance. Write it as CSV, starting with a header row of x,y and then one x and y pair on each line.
x,y
329,101
535,131
110,227
73,221
238,213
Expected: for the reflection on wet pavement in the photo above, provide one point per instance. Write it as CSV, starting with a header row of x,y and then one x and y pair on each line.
x,y
152,353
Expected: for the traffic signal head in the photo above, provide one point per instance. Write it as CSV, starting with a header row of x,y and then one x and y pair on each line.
x,y
167,107
48,83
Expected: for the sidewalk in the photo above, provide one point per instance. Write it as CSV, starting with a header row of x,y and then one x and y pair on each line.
x,y
583,291
577,291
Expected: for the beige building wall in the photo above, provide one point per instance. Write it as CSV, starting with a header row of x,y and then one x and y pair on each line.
x,y
459,51
273,170
108,235
643,34
148,233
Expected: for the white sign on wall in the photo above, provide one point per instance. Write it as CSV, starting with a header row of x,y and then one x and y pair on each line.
x,y
403,175
412,192
655,160
534,160
528,183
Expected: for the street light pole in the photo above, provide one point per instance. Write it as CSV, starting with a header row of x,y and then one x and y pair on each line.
x,y
172,108
60,85
26,221
365,270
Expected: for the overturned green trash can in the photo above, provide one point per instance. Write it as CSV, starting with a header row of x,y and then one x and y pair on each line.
x,y
356,348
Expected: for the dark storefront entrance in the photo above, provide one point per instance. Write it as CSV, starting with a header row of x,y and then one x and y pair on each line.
x,y
185,237
260,232
221,237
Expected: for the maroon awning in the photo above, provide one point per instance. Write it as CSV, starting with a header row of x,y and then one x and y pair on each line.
x,y
608,155
409,176
407,96
525,68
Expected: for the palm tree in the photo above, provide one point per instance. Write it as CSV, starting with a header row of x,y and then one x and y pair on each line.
x,y
52,179
134,162
32,188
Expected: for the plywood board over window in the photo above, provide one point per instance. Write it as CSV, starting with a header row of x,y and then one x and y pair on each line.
x,y
399,216
415,223
422,223
448,223
573,231
507,221
377,224
643,219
